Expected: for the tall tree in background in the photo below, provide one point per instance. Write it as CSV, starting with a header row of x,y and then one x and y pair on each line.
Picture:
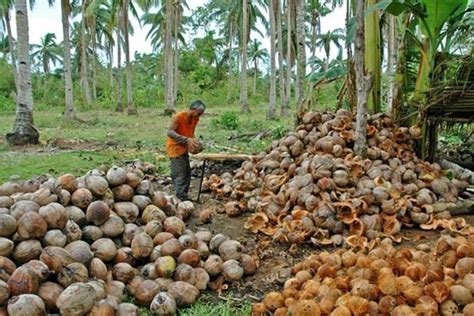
x,y
5,6
289,50
243,64
301,50
272,98
87,98
47,52
391,59
169,81
316,10
24,131
363,83
373,55
281,76
69,98
131,110
325,40
256,53
119,107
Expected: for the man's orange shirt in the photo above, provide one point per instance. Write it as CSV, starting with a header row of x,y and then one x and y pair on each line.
x,y
186,128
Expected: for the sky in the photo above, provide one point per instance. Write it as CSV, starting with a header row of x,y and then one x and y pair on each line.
x,y
44,19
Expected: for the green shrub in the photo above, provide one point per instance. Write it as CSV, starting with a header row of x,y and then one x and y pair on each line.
x,y
229,120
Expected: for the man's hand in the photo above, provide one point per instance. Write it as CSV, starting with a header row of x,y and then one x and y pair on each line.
x,y
194,146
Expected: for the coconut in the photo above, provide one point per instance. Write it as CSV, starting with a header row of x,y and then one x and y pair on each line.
x,y
142,245
73,273
116,176
127,211
97,185
171,247
80,251
127,309
184,293
54,237
186,273
152,228
72,231
98,269
116,289
26,305
67,182
91,233
213,265
8,225
230,249
142,201
232,270
113,227
160,238
129,233
149,271
6,247
174,225
55,215
165,266
76,299
97,213
39,268
56,258
31,226
23,281
124,254
163,304
202,278
104,249
190,257
145,292
49,293
81,198
216,241
27,250
123,193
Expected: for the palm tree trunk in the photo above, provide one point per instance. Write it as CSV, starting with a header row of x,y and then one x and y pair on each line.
x,y
65,11
119,73
93,59
255,76
400,74
45,66
363,84
229,75
170,106
272,103
243,70
288,56
281,77
300,38
111,63
131,110
176,54
373,56
24,131
391,57
84,64
11,47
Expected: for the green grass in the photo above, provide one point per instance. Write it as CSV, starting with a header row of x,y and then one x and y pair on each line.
x,y
133,137
206,307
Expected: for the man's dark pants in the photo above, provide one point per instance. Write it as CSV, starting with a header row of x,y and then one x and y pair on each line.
x,y
181,175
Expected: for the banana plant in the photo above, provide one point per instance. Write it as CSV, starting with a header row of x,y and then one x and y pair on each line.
x,y
432,16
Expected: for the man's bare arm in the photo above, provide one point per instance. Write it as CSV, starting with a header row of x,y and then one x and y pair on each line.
x,y
174,135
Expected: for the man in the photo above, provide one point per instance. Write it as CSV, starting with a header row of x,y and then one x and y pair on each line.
x,y
181,141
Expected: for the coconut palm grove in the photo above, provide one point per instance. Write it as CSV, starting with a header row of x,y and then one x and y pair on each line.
x,y
218,157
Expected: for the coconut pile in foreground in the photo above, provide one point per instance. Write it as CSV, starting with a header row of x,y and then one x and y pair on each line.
x,y
310,186
85,245
431,279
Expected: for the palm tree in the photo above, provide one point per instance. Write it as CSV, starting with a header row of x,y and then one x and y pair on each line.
x,y
5,6
256,53
373,55
47,52
278,13
243,51
65,13
24,131
168,54
363,83
229,14
290,23
272,103
325,41
301,50
4,46
316,10
84,60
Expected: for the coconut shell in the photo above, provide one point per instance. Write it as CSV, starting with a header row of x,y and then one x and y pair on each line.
x,y
76,299
163,304
73,273
98,213
26,305
116,176
127,309
104,249
127,211
145,292
82,198
80,251
27,250
142,245
8,225
184,293
31,226
56,258
4,292
6,247
55,215
23,281
116,289
49,293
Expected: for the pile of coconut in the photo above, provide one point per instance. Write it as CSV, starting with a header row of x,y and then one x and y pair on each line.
x,y
429,279
88,244
310,185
